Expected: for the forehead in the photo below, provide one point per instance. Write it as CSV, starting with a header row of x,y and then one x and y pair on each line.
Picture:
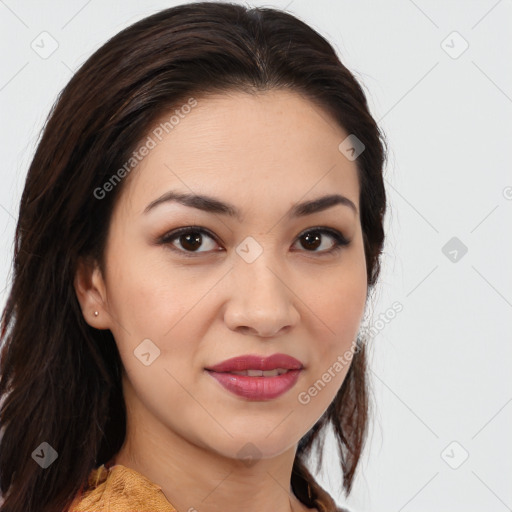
x,y
277,146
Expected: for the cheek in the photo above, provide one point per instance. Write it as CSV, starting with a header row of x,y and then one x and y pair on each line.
x,y
157,311
332,354
146,296
339,305
342,315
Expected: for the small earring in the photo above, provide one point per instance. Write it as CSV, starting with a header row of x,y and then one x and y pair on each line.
x,y
96,313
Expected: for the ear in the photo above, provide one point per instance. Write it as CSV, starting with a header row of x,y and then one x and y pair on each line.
x,y
90,290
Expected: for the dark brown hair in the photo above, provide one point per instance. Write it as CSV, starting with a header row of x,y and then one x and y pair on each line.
x,y
60,379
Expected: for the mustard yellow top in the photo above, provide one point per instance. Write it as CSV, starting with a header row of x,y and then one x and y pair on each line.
x,y
118,488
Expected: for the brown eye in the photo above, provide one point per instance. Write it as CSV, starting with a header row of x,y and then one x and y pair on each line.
x,y
191,242
189,239
312,242
313,239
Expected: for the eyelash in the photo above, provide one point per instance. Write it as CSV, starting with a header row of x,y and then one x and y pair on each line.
x,y
339,239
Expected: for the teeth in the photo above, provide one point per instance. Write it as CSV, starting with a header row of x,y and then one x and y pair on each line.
x,y
261,373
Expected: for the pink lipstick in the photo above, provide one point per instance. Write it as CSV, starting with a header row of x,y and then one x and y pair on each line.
x,y
256,377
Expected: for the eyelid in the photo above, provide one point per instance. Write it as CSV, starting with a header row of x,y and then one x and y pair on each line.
x,y
340,240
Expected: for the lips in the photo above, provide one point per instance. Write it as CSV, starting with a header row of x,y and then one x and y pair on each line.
x,y
257,363
257,378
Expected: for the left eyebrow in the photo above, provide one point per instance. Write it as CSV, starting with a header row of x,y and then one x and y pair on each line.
x,y
213,205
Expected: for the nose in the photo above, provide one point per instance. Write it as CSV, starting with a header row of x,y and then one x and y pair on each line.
x,y
261,300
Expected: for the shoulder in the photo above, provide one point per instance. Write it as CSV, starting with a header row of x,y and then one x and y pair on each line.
x,y
118,489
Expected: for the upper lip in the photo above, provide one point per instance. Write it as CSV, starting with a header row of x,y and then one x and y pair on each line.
x,y
255,362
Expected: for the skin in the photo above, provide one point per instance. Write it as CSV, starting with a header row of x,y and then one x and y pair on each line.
x,y
262,153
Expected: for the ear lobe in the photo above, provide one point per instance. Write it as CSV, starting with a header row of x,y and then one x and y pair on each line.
x,y
91,294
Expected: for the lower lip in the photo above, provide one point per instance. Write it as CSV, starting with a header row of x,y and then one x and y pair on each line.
x,y
257,388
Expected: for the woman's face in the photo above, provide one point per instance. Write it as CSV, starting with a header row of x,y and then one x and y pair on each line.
x,y
262,282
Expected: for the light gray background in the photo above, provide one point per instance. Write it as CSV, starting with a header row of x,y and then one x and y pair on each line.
x,y
441,368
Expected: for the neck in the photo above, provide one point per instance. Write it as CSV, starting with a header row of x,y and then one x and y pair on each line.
x,y
195,478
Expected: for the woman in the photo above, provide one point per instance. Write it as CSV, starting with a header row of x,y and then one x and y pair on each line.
x,y
198,237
